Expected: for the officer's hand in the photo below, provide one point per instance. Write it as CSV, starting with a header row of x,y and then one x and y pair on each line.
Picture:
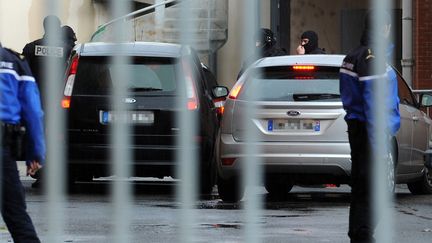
x,y
300,50
33,167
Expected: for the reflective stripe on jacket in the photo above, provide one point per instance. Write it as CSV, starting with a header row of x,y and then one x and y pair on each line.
x,y
357,85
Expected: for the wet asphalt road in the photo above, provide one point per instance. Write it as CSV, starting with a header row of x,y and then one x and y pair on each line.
x,y
305,215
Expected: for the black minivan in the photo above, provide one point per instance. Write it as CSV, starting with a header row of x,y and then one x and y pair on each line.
x,y
155,72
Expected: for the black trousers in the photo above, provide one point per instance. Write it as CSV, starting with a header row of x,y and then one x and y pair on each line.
x,y
361,222
13,205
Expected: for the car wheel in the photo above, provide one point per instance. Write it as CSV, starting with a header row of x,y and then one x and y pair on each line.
x,y
230,190
278,186
423,186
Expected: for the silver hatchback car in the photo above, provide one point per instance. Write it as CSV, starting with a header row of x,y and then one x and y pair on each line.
x,y
301,136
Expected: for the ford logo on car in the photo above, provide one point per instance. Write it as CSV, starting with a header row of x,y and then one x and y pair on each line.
x,y
293,113
129,100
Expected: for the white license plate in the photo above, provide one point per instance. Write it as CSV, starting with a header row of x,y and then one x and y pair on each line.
x,y
293,125
133,117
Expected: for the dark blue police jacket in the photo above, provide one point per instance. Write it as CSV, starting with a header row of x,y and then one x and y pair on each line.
x,y
20,101
356,88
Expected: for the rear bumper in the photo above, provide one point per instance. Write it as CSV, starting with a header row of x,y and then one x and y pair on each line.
x,y
324,158
146,161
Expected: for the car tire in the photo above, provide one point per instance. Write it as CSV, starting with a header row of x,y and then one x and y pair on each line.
x,y
422,186
230,190
278,186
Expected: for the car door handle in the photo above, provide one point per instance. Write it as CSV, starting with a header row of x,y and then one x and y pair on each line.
x,y
415,118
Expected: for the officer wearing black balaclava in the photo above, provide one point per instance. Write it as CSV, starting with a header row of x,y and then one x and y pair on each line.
x,y
265,46
309,44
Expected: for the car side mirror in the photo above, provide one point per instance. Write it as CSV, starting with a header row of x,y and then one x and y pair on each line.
x,y
220,92
426,100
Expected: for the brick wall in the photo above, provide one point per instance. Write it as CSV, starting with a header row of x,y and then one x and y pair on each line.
x,y
423,44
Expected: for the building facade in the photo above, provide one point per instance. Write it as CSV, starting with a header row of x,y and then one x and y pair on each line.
x,y
337,22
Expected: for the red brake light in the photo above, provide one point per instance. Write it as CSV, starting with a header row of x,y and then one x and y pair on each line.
x,y
74,66
303,68
70,80
221,110
191,92
192,104
65,103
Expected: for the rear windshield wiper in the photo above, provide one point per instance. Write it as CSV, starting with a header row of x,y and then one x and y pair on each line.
x,y
145,89
318,96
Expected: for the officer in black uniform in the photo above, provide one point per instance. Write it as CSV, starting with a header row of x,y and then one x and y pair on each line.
x,y
69,39
357,78
265,46
19,104
39,51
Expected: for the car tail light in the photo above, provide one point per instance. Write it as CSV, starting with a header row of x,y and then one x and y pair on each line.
x,y
304,68
219,104
235,91
191,91
66,101
228,161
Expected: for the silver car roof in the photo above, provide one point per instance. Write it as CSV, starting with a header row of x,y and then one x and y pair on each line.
x,y
316,60
154,49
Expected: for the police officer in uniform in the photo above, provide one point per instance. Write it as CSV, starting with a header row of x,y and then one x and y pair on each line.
x,y
38,51
357,77
19,104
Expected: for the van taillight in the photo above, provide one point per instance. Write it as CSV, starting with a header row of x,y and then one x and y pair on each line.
x,y
66,101
191,91
219,105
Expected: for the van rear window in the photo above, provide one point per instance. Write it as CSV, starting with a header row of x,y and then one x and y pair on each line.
x,y
144,74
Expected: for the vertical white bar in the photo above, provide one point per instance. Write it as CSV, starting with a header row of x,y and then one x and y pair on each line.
x,y
120,130
382,197
186,168
252,179
55,129
159,19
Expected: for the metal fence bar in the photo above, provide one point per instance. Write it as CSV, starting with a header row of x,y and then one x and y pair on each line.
x,y
251,169
186,169
55,127
120,131
382,197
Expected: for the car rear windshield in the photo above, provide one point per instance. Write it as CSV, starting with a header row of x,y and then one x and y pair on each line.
x,y
144,74
284,83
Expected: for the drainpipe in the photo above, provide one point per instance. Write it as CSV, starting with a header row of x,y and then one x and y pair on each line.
x,y
407,61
